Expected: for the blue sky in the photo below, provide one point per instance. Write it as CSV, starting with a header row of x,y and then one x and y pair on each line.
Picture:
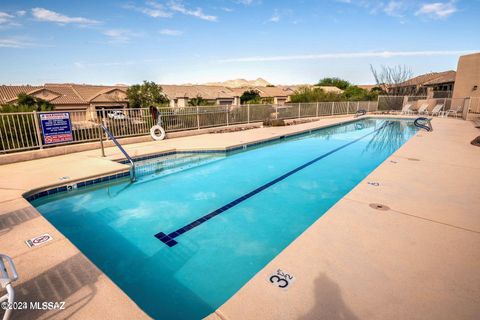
x,y
188,41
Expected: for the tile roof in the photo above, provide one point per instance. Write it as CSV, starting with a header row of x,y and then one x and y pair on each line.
x,y
427,78
191,91
446,77
7,93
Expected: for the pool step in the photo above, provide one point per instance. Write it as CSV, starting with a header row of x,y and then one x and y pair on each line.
x,y
174,163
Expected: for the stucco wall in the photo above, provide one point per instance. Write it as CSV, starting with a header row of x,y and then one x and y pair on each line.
x,y
468,76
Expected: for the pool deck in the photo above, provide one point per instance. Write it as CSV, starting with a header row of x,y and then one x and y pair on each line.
x,y
418,260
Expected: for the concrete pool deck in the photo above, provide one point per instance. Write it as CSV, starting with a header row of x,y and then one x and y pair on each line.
x,y
420,259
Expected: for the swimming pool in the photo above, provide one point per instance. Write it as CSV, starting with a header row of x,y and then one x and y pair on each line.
x,y
194,228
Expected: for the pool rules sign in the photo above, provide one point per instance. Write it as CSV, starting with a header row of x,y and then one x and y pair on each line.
x,y
56,127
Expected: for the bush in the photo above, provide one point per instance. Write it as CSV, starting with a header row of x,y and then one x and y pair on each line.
x,y
273,123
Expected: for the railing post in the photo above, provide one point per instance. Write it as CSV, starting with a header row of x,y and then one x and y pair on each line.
x,y
227,109
248,113
333,106
198,118
299,109
104,121
37,129
101,140
317,110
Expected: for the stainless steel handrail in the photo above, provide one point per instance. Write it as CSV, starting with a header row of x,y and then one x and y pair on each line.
x,y
132,163
423,123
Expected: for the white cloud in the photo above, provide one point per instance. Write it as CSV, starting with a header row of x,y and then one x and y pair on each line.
x,y
18,42
21,13
52,16
437,10
349,55
245,2
275,17
394,8
171,32
5,17
152,9
8,20
178,6
120,35
10,43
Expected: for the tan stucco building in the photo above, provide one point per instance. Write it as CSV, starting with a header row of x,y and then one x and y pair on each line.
x,y
467,82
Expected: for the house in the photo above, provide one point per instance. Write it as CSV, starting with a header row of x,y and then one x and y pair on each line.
x,y
67,96
431,85
467,82
180,95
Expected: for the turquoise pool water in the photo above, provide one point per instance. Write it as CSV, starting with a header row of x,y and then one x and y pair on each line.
x,y
115,223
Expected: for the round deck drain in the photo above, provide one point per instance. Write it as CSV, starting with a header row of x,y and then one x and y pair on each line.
x,y
378,206
413,159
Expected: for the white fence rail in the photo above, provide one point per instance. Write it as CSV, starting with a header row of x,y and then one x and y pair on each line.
x,y
21,131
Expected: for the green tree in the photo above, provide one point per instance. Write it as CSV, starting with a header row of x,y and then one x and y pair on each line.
x,y
334,82
313,94
354,93
27,103
198,101
145,95
250,96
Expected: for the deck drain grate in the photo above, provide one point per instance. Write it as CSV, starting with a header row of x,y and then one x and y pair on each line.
x,y
378,206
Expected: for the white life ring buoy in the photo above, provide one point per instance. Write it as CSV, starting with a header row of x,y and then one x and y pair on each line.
x,y
157,132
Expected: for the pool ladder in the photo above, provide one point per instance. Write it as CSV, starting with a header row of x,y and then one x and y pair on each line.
x,y
423,123
119,146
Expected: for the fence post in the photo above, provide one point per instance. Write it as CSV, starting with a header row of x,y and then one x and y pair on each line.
x,y
37,129
227,109
358,105
466,109
333,107
101,140
104,121
317,110
348,106
368,106
299,109
276,112
248,113
198,118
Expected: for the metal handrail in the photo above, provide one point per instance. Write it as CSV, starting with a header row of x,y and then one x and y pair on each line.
x,y
119,146
417,123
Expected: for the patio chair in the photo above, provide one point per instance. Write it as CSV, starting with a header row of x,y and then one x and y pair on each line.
x,y
423,109
437,110
406,109
455,111
6,280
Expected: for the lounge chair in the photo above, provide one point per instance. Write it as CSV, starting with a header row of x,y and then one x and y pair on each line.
x,y
455,112
6,279
406,109
437,110
423,109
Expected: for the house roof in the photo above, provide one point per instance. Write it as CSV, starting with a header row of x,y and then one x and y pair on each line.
x,y
7,93
446,77
428,78
64,93
191,91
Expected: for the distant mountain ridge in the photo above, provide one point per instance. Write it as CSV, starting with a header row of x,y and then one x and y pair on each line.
x,y
239,83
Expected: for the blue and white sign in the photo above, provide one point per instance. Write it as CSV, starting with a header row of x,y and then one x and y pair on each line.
x,y
56,127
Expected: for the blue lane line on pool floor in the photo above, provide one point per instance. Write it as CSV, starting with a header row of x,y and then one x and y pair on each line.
x,y
169,239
